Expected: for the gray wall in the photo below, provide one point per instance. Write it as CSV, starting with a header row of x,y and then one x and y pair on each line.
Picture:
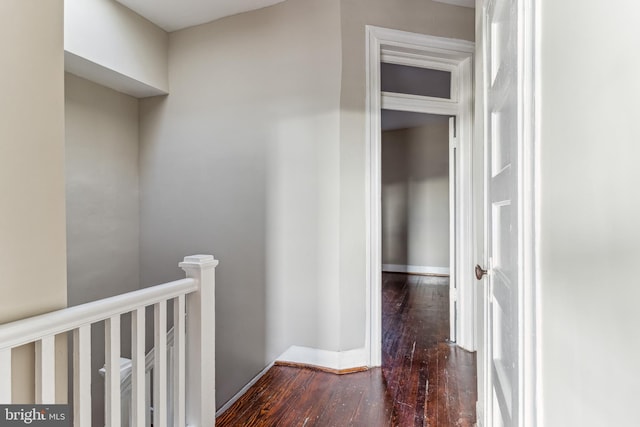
x,y
418,16
102,206
241,161
257,156
102,177
415,195
589,211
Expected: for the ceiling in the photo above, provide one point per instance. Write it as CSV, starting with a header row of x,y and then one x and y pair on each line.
x,y
172,15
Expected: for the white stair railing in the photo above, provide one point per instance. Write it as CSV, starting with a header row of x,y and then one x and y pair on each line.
x,y
193,356
125,383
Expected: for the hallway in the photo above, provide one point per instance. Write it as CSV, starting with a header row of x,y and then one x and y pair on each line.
x,y
423,382
432,383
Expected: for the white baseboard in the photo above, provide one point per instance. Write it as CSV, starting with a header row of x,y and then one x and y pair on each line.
x,y
333,360
415,269
242,391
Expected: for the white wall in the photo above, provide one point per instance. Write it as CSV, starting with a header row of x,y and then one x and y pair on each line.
x,y
242,161
418,16
415,195
102,201
32,211
108,43
590,210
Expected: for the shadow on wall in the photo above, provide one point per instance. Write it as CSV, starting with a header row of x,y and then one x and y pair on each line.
x,y
262,200
102,207
241,161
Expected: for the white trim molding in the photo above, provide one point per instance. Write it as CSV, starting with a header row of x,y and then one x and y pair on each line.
x,y
415,269
480,419
418,104
332,360
401,47
532,315
323,359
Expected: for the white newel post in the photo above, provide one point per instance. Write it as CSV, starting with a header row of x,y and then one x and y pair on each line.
x,y
200,342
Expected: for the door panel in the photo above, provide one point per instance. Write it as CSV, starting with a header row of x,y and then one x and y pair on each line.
x,y
502,97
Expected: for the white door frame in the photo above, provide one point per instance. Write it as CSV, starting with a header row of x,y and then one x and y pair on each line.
x,y
385,45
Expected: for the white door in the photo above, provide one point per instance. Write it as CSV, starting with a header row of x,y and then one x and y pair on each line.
x,y
503,212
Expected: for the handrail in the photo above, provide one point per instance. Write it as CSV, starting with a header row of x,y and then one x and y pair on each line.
x,y
192,358
28,330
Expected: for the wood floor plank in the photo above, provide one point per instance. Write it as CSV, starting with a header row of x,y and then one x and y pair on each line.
x,y
424,380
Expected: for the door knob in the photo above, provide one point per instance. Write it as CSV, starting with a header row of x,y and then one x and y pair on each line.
x,y
480,272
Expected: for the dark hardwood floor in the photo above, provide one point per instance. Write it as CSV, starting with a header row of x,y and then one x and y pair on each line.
x,y
424,380
432,382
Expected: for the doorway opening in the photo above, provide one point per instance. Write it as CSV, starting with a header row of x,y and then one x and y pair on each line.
x,y
447,64
418,193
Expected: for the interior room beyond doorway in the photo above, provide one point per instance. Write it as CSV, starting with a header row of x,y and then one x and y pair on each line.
x,y
415,193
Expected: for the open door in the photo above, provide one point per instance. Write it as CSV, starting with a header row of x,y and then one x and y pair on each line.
x,y
503,100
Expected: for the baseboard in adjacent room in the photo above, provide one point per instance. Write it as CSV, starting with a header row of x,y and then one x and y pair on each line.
x,y
415,269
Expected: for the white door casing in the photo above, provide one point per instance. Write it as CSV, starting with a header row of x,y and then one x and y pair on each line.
x,y
510,330
456,56
453,226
